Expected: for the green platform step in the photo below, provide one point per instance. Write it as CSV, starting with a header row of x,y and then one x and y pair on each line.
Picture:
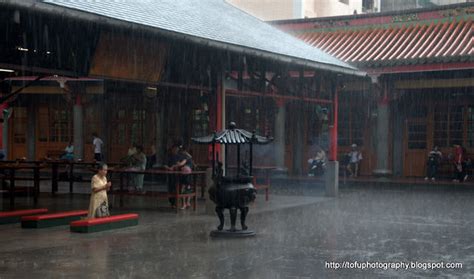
x,y
105,223
52,220
11,217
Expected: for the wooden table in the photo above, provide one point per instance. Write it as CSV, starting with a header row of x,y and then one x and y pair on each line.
x,y
177,174
55,164
12,168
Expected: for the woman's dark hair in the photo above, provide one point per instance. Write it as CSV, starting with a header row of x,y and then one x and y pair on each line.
x,y
101,166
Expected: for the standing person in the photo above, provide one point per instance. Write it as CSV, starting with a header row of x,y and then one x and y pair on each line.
x,y
99,204
434,158
354,160
458,162
176,161
97,143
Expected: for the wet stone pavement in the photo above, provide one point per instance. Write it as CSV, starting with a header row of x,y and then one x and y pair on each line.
x,y
302,235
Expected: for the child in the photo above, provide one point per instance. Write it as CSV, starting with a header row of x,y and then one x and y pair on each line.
x,y
186,187
186,183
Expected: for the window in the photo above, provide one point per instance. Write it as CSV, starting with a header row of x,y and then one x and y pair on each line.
x,y
200,122
137,132
416,135
448,125
19,125
470,126
92,118
128,126
352,116
368,6
55,125
251,119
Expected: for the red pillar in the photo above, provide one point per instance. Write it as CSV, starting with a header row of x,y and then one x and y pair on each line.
x,y
333,150
2,107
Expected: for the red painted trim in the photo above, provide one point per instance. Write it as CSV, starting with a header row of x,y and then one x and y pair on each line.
x,y
280,102
55,215
23,212
2,107
78,100
422,68
104,220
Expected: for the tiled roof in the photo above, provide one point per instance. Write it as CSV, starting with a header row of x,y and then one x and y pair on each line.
x,y
233,136
407,44
215,21
424,37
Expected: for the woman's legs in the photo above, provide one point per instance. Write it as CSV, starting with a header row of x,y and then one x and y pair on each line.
x,y
349,169
186,201
139,181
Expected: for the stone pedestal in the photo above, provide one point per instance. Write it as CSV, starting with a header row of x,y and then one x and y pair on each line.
x,y
78,119
331,177
383,124
279,137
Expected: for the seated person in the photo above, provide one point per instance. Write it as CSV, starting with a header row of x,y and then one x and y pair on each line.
x,y
317,163
434,158
136,160
468,168
68,152
354,160
138,163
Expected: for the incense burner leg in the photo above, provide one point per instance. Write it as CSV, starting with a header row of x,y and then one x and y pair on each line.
x,y
220,214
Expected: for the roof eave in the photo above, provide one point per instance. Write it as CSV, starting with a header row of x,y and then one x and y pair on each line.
x,y
283,58
69,12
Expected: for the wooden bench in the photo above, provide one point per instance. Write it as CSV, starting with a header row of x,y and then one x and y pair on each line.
x,y
105,223
9,217
52,220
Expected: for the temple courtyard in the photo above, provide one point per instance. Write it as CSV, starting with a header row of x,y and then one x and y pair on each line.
x,y
367,232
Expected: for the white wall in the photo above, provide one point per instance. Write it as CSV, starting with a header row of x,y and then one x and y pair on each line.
x,y
324,8
291,9
266,9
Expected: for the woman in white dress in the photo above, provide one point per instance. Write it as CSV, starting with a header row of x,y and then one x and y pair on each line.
x,y
99,204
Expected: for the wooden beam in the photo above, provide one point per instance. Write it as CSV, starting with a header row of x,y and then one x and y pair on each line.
x,y
233,92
